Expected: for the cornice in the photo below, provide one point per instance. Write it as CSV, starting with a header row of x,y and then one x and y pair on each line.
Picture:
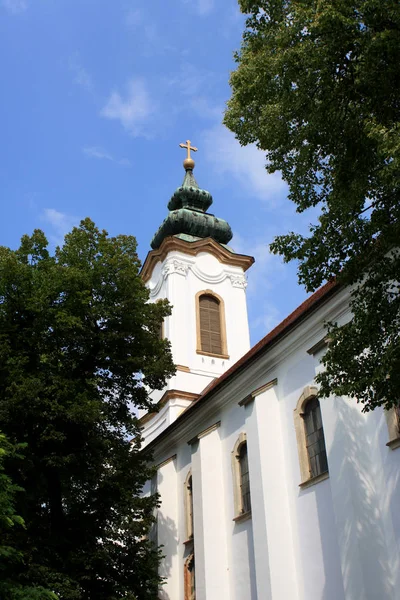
x,y
181,266
168,395
263,367
209,245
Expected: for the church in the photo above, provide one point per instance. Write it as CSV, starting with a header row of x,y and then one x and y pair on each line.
x,y
267,492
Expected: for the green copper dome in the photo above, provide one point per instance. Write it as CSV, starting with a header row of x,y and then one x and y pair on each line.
x,y
188,215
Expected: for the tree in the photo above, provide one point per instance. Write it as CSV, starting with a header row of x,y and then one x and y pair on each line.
x,y
317,87
79,350
9,556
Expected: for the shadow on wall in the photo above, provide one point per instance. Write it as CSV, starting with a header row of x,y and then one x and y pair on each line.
x,y
357,484
167,534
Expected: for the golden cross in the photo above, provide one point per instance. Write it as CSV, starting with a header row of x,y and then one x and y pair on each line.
x,y
189,148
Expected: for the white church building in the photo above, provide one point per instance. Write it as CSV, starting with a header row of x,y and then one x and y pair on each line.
x,y
267,492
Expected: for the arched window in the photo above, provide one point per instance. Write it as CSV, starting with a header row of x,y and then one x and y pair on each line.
x,y
211,334
244,478
190,579
189,506
241,479
310,438
315,441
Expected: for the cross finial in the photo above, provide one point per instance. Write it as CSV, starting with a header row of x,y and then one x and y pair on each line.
x,y
188,163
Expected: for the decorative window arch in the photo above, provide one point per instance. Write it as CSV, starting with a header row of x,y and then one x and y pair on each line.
x,y
310,438
241,478
188,491
190,578
210,324
393,423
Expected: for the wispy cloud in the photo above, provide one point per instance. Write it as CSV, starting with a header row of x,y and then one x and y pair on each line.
x,y
204,7
245,164
101,154
203,108
81,75
133,110
190,80
15,7
134,17
60,224
266,276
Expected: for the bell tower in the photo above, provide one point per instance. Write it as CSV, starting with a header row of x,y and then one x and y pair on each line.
x,y
192,266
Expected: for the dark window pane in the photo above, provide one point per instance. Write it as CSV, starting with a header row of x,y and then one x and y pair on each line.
x,y
397,411
315,441
190,506
244,478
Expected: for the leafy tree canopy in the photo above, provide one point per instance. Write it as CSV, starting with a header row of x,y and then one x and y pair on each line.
x,y
79,350
9,555
317,87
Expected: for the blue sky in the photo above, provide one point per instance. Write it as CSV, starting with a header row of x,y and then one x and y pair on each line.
x,y
96,97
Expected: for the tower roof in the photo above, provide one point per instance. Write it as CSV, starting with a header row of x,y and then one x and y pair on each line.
x,y
188,217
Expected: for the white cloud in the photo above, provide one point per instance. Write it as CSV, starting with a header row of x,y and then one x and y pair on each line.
x,y
134,17
190,80
266,276
15,7
133,111
101,154
60,224
205,109
204,7
81,76
245,164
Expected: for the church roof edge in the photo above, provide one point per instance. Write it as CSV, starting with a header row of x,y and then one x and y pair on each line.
x,y
170,243
293,319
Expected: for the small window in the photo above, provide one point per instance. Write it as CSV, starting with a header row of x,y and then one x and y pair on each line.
x,y
190,579
393,423
211,331
310,438
315,441
397,413
244,478
241,479
210,324
189,506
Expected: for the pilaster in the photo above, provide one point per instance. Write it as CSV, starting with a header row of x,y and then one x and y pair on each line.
x,y
167,532
273,545
210,542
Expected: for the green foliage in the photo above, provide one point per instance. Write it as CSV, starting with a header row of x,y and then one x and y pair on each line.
x,y
9,555
79,350
317,87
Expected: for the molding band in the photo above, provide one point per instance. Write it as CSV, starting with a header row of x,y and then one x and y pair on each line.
x,y
209,245
168,395
166,461
204,433
257,392
318,346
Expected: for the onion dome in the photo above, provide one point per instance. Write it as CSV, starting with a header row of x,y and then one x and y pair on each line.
x,y
188,217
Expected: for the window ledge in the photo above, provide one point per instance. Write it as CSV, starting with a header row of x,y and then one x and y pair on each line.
x,y
211,354
188,541
242,517
314,480
393,444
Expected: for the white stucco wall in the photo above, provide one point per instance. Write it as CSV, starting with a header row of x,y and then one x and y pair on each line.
x,y
179,278
336,540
